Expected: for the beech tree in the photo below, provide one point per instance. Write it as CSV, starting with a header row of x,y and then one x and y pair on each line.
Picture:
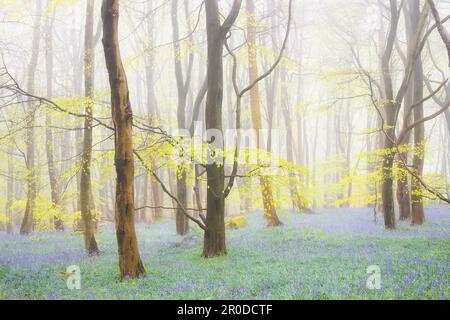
x,y
130,263
392,104
214,239
183,82
27,222
50,149
270,211
86,198
417,212
152,105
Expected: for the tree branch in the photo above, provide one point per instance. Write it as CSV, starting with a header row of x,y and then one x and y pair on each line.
x,y
443,33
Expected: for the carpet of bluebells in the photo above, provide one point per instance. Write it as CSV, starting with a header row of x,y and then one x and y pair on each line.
x,y
320,256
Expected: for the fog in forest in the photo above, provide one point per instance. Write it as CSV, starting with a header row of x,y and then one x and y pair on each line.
x,y
198,118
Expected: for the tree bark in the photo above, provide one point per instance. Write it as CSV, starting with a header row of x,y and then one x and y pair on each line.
x,y
27,222
86,201
10,189
182,222
270,212
214,238
392,105
390,112
196,117
145,191
152,106
77,64
417,214
348,158
295,196
130,263
54,185
403,194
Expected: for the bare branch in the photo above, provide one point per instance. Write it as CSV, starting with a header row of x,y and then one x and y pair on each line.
x,y
443,33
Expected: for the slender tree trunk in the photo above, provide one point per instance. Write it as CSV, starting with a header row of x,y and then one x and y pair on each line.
x,y
403,194
137,192
306,147
314,160
77,57
196,117
387,190
326,177
271,90
270,212
145,191
10,189
348,159
214,238
390,112
182,222
447,160
295,196
54,185
130,263
104,192
152,106
418,214
447,116
86,201
157,201
27,222
340,150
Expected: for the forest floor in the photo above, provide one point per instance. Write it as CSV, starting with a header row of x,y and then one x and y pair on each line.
x,y
322,256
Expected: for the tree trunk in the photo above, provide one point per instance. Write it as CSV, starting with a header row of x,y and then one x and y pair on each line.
x,y
270,212
10,189
348,158
152,106
157,200
78,56
182,222
214,238
447,116
86,201
403,194
403,198
295,196
197,189
54,185
196,117
104,192
340,150
326,177
314,161
27,222
145,191
130,263
137,192
387,189
390,113
417,214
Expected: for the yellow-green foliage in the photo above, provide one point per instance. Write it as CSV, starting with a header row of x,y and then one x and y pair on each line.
x,y
237,222
44,213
